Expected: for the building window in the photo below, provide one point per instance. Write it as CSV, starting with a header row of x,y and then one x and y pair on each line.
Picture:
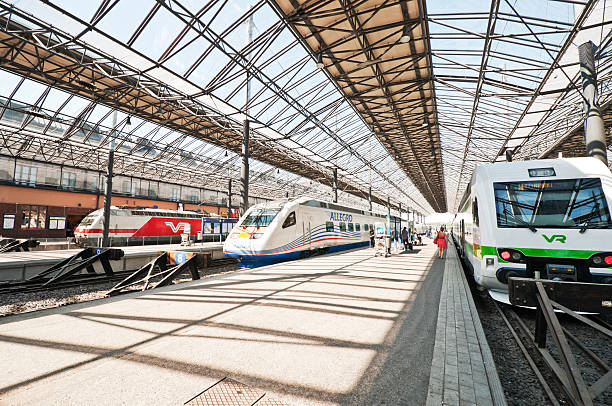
x,y
193,197
175,194
329,226
68,180
93,183
25,175
34,217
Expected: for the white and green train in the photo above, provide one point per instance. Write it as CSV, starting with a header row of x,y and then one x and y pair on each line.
x,y
543,218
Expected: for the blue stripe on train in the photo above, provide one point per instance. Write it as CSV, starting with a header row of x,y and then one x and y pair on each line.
x,y
255,261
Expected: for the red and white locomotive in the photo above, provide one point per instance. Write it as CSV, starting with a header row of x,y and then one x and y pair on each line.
x,y
130,226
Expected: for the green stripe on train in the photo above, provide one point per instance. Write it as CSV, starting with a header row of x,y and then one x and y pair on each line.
x,y
543,252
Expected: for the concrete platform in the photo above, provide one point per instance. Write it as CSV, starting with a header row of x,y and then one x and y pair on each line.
x,y
343,329
462,371
21,265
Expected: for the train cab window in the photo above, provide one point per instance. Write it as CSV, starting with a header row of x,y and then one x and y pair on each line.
x,y
357,227
342,226
365,227
290,220
329,226
350,226
475,212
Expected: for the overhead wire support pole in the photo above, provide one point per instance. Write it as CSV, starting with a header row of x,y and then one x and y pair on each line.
x,y
244,169
109,185
594,134
335,185
229,198
370,197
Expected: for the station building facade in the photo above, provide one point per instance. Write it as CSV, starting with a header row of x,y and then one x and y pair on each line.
x,y
44,200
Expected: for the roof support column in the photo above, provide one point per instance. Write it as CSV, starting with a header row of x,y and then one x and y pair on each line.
x,y
335,185
229,198
107,197
244,169
595,137
370,197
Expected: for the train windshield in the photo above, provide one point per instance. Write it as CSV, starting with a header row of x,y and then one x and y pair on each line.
x,y
260,217
568,203
89,219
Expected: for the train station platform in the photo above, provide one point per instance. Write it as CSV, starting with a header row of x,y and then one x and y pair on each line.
x,y
341,329
21,265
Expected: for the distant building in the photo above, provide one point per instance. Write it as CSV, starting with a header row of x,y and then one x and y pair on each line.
x,y
44,200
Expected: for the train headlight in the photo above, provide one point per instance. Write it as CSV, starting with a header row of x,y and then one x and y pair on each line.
x,y
601,260
511,255
256,236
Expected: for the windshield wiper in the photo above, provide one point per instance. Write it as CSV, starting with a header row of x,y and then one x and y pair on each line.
x,y
590,216
520,220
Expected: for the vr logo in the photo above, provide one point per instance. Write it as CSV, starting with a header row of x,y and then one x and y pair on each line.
x,y
556,237
186,227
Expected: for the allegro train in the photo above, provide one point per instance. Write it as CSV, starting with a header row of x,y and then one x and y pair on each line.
x,y
138,226
295,228
546,219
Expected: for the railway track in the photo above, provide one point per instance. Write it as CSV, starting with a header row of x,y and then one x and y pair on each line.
x,y
84,279
547,367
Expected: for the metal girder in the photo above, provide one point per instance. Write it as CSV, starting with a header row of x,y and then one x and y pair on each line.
x,y
37,50
388,82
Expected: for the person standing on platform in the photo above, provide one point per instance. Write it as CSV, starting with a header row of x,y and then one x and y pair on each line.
x,y
405,236
440,241
371,237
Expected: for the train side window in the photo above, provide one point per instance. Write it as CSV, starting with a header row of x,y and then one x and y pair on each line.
x,y
365,227
342,226
290,220
475,212
357,227
371,227
350,226
329,226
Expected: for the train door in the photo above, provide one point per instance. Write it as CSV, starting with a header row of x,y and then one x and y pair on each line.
x,y
307,231
309,218
462,237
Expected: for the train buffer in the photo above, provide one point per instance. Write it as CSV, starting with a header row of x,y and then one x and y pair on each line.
x,y
14,245
82,261
162,271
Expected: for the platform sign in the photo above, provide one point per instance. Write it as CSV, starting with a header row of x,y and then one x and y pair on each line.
x,y
207,227
178,257
57,222
379,229
98,250
8,222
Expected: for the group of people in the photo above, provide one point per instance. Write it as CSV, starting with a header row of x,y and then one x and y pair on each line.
x,y
408,240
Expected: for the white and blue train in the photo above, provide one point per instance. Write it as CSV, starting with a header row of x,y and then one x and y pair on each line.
x,y
296,228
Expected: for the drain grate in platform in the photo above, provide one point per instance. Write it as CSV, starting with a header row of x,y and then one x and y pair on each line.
x,y
228,392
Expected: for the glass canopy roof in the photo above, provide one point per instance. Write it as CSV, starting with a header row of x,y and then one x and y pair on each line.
x,y
494,77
